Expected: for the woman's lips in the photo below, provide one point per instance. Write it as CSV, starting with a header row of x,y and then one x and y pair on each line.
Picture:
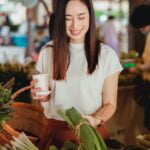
x,y
76,32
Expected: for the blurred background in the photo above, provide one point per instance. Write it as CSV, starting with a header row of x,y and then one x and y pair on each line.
x,y
24,26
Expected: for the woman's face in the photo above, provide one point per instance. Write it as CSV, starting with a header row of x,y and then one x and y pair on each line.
x,y
77,21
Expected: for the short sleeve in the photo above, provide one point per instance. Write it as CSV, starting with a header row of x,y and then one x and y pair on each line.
x,y
44,63
111,61
39,64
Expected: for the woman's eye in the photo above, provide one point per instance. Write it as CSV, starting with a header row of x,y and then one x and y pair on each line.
x,y
68,19
81,18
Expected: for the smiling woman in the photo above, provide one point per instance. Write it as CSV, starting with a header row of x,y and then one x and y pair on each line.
x,y
83,72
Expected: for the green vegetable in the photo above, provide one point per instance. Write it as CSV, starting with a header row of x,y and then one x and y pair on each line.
x,y
69,146
5,97
5,94
88,136
53,147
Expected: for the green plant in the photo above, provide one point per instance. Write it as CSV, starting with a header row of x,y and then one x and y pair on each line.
x,y
5,98
4,94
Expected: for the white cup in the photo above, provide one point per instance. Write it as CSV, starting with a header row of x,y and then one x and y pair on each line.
x,y
42,83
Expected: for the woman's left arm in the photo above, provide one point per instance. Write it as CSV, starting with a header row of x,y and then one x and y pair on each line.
x,y
109,103
109,96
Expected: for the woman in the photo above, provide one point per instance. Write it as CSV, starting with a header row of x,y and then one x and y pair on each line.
x,y
84,73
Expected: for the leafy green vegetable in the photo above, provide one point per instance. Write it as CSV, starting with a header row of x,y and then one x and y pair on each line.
x,y
69,146
5,94
5,97
53,147
89,138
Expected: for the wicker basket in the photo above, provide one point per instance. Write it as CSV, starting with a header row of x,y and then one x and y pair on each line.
x,y
27,118
6,134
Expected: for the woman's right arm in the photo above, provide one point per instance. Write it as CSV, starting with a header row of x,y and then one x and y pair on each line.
x,y
41,67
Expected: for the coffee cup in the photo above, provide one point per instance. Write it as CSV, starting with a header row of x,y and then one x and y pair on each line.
x,y
43,82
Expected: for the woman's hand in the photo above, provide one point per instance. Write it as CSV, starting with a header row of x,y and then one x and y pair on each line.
x,y
139,67
143,67
94,121
41,98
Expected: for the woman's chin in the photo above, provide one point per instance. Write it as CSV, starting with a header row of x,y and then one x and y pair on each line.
x,y
77,39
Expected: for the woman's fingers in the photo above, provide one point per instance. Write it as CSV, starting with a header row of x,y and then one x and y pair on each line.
x,y
32,83
35,96
44,98
41,98
93,121
33,92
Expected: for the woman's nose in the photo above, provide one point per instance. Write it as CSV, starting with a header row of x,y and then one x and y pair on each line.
x,y
75,23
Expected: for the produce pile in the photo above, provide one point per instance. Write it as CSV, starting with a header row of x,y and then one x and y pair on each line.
x,y
132,54
129,60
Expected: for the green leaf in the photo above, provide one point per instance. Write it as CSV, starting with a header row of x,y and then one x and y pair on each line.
x,y
69,146
53,147
89,138
67,119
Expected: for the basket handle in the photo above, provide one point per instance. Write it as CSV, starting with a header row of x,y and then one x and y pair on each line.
x,y
14,95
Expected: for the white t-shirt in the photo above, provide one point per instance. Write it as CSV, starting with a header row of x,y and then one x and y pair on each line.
x,y
79,90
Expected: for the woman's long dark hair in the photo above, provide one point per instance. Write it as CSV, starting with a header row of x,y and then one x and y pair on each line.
x,y
61,53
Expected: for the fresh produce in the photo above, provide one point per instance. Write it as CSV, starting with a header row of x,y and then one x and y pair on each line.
x,y
53,147
5,97
67,146
88,136
130,55
20,143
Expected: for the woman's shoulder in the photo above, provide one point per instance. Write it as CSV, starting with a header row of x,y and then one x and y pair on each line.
x,y
47,48
48,45
45,58
106,51
109,60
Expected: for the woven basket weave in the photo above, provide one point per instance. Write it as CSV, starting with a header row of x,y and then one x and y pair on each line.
x,y
27,118
6,134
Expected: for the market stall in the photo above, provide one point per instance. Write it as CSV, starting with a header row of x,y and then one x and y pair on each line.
x,y
127,122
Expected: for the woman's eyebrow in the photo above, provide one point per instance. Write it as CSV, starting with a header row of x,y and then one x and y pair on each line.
x,y
80,14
